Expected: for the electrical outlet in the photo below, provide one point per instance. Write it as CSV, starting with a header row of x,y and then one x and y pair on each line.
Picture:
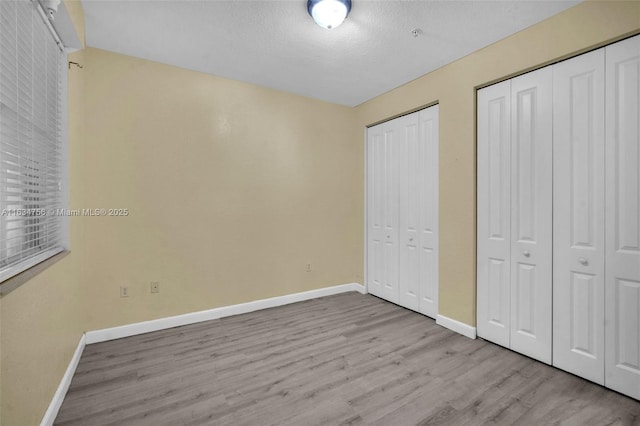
x,y
155,287
308,267
124,291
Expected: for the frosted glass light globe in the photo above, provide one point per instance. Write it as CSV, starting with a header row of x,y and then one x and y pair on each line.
x,y
329,13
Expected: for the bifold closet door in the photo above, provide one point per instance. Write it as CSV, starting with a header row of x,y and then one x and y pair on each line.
x,y
578,216
531,215
402,211
571,132
419,211
428,186
382,210
514,213
622,272
494,213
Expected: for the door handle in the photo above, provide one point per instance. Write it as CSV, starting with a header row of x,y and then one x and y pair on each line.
x,y
526,253
584,261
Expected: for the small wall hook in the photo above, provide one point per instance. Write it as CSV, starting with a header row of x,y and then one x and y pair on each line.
x,y
76,64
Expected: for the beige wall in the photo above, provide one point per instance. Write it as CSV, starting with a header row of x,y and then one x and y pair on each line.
x,y
583,27
233,188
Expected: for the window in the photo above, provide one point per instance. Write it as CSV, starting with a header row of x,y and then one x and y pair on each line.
x,y
32,155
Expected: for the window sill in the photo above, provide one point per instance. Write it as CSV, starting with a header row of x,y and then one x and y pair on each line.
x,y
16,281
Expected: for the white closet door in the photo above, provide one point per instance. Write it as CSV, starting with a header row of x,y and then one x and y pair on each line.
x,y
402,209
622,285
411,169
382,210
428,209
531,215
494,213
578,216
391,207
419,211
375,209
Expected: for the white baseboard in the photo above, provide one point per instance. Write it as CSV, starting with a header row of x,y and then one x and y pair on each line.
x,y
359,288
211,314
457,326
63,387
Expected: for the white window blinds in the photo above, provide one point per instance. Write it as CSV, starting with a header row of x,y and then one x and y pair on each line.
x,y
30,138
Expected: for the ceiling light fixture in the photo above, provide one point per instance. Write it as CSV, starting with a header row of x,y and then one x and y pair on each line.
x,y
329,13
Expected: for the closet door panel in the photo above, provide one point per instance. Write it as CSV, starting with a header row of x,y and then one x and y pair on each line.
x,y
392,137
382,210
494,212
410,197
427,153
531,214
375,209
578,218
622,285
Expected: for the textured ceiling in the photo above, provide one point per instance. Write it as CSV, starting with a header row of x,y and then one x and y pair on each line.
x,y
276,44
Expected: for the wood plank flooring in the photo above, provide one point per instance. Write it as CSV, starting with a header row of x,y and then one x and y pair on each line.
x,y
347,359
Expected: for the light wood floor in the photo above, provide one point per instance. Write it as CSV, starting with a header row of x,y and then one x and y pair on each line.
x,y
345,359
